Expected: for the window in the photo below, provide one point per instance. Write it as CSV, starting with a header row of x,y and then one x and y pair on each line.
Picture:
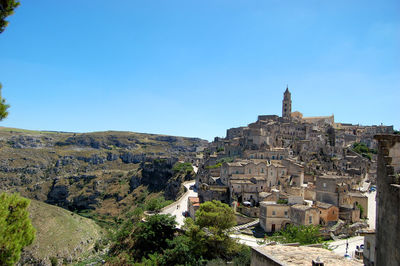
x,y
368,245
324,184
262,170
286,214
261,187
249,171
273,212
237,172
225,171
310,219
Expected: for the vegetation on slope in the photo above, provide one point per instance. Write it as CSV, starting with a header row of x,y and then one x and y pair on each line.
x,y
363,150
155,241
61,235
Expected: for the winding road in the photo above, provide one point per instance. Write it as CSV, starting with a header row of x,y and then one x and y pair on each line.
x,y
179,207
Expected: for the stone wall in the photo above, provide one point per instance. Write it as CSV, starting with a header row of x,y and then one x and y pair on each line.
x,y
388,200
261,258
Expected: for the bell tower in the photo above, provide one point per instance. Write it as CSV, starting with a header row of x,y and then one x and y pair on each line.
x,y
287,104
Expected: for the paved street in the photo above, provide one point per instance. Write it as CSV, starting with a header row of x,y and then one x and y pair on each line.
x,y
371,209
339,246
179,207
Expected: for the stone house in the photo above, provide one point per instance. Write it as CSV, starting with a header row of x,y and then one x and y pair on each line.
x,y
268,196
276,153
350,215
274,217
356,198
247,189
369,247
304,215
328,188
193,206
247,178
328,213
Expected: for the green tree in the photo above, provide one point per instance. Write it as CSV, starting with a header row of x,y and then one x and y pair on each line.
x,y
151,236
179,253
215,214
16,230
209,234
6,9
3,106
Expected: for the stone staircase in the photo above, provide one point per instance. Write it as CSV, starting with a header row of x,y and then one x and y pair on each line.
x,y
244,226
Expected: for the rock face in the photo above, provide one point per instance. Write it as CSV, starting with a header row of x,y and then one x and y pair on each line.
x,y
92,171
159,175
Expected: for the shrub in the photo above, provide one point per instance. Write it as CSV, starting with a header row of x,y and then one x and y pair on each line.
x,y
182,168
305,235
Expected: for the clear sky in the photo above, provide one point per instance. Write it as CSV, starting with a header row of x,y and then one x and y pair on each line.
x,y
197,68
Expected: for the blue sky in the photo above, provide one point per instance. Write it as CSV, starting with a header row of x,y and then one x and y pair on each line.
x,y
196,68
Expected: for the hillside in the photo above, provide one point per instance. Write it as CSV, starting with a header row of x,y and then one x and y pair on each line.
x,y
60,234
91,173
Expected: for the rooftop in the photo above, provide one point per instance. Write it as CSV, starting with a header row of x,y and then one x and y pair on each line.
x,y
357,194
323,205
289,255
301,207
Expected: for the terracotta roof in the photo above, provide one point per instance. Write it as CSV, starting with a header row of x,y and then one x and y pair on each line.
x,y
194,200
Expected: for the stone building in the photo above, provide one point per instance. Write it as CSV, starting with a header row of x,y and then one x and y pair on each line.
x,y
328,213
369,247
388,201
193,206
273,216
304,215
328,188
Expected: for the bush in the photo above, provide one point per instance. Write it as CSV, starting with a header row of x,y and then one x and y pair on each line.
x,y
282,201
305,235
53,261
156,204
186,168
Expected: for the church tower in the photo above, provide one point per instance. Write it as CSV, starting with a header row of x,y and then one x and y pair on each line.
x,y
287,104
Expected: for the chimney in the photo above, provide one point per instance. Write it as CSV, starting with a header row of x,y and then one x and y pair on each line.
x,y
317,262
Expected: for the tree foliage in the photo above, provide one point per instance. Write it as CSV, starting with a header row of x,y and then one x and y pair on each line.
x,y
209,232
157,242
3,106
363,150
16,230
215,214
6,9
302,234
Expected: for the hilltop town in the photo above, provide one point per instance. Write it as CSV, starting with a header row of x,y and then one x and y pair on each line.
x,y
294,170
